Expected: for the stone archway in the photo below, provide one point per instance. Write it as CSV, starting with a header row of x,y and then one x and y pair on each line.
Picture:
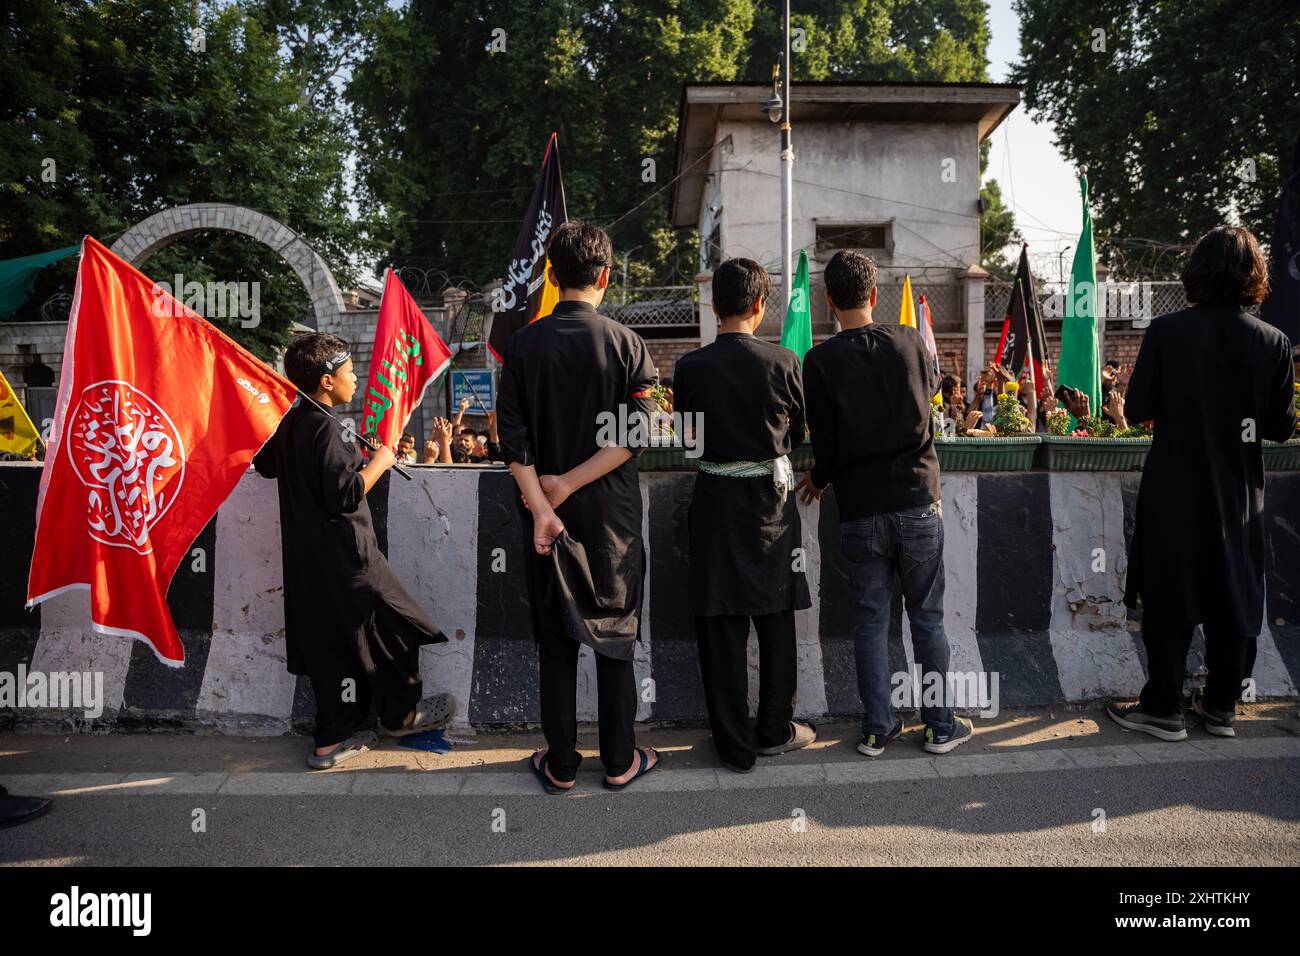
x,y
162,228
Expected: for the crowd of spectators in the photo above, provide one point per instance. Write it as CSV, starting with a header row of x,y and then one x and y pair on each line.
x,y
453,442
989,413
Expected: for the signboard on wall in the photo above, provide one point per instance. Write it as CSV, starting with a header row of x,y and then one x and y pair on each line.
x,y
476,384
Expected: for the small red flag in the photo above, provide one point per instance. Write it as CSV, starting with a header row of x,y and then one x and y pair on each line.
x,y
158,416
408,355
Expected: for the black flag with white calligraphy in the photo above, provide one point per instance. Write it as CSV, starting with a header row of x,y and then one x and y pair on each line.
x,y
527,295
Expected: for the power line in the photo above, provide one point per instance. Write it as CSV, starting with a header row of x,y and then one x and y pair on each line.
x,y
700,159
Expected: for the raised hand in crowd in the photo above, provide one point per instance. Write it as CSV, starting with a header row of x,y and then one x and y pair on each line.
x,y
442,430
1076,402
999,375
430,456
460,411
1114,408
1123,375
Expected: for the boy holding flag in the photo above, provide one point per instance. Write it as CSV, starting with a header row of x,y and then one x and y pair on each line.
x,y
350,626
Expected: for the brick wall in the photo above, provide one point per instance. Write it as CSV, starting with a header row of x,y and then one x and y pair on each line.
x,y
666,352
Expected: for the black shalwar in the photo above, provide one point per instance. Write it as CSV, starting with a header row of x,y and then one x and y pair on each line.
x,y
570,383
745,396
346,614
1217,382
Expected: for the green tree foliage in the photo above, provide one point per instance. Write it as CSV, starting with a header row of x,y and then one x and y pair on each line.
x,y
1184,113
451,130
136,120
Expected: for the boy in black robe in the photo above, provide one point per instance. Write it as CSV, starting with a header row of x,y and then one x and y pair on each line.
x,y
350,626
743,397
573,411
1197,551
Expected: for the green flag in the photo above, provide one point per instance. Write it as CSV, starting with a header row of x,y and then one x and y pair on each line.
x,y
17,276
797,333
1080,365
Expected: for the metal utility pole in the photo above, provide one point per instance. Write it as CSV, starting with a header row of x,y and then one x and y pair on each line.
x,y
787,163
777,109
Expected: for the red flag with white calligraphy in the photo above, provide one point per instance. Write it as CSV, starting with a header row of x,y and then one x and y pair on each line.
x,y
158,416
408,355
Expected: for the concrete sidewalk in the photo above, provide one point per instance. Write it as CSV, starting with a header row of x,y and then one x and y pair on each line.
x,y
1032,788
492,763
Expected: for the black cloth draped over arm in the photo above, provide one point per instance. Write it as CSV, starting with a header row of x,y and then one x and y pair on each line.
x,y
573,382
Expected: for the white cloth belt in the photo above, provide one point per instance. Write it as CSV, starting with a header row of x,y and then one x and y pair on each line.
x,y
780,469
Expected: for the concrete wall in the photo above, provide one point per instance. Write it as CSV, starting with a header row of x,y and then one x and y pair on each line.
x,y
26,343
1022,600
840,170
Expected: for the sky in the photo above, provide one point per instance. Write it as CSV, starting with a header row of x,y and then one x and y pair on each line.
x,y
1037,182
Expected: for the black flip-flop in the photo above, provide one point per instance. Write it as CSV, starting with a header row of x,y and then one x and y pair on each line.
x,y
644,769
539,771
16,810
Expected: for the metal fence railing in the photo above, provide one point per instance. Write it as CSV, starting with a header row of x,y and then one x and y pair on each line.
x,y
944,299
1138,300
661,307
468,321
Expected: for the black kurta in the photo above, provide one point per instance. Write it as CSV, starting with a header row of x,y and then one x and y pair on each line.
x,y
749,395
1204,375
335,576
568,381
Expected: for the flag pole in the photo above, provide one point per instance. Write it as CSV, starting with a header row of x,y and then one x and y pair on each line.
x,y
364,440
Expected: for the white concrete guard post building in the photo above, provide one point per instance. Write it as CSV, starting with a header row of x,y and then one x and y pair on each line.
x,y
891,169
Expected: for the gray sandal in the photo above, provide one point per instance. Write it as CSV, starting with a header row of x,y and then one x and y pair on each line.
x,y
354,746
801,735
430,714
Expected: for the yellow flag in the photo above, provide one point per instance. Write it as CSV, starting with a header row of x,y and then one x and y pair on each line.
x,y
550,293
17,433
907,314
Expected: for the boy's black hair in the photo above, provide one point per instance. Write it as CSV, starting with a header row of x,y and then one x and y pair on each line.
x,y
1226,267
850,276
312,356
578,251
737,285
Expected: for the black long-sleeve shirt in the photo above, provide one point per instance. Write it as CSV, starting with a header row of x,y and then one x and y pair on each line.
x,y
572,383
749,395
869,391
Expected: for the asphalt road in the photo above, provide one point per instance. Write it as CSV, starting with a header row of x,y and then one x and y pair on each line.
x,y
1033,790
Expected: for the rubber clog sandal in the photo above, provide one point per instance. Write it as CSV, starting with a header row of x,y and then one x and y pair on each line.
x,y
430,714
354,746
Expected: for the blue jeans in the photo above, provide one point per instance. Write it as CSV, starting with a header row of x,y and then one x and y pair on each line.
x,y
907,544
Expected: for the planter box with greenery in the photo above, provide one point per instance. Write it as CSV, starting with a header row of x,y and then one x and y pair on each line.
x,y
1063,453
1284,456
1014,453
